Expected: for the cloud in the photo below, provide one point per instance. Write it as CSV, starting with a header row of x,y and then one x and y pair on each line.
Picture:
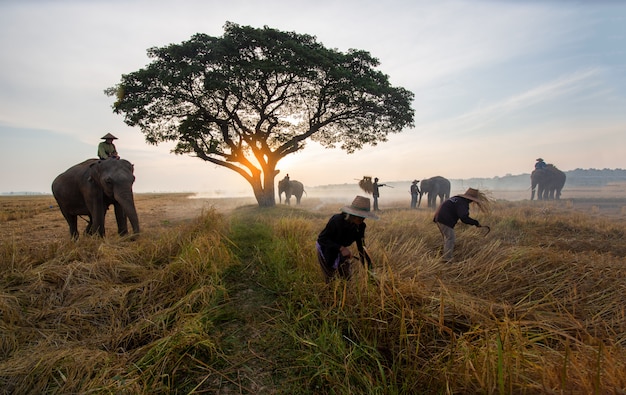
x,y
489,78
479,118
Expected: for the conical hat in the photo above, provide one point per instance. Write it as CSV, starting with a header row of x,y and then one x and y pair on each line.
x,y
108,136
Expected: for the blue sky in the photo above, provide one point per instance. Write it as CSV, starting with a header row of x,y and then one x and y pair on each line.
x,y
496,83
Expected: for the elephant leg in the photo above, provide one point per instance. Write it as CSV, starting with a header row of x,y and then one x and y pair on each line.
x,y
96,225
96,219
72,221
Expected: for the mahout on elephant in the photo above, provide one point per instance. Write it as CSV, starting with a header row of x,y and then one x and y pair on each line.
x,y
290,188
90,187
547,182
436,186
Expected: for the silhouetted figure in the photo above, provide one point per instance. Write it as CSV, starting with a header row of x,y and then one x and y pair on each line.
x,y
415,191
540,164
376,193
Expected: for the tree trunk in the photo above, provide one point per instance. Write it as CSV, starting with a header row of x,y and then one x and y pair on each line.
x,y
265,196
264,192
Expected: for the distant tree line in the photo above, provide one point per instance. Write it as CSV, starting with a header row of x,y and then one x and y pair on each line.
x,y
578,177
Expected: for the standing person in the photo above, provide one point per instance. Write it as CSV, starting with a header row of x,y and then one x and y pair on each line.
x,y
415,191
343,229
454,209
106,149
375,192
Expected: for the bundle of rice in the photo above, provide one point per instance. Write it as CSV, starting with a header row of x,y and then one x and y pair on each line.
x,y
366,184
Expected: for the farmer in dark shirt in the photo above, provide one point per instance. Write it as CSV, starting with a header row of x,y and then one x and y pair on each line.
x,y
454,209
376,193
341,231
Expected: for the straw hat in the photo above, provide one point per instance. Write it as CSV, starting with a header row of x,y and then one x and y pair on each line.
x,y
477,197
539,159
360,207
415,181
471,194
108,136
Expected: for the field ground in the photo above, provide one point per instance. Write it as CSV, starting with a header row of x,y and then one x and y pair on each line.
x,y
235,303
39,219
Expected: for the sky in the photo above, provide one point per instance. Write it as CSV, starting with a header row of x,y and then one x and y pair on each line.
x,y
497,84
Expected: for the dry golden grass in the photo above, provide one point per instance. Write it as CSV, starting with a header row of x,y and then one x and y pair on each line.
x,y
535,306
545,288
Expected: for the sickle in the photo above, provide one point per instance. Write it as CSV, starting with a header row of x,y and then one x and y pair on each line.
x,y
488,229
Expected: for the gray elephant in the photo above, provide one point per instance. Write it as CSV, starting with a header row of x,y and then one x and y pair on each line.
x,y
289,188
434,186
90,187
548,182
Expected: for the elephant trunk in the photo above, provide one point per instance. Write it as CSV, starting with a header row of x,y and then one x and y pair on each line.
x,y
127,202
134,220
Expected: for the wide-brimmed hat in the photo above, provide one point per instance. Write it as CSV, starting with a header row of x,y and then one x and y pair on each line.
x,y
108,136
415,181
471,194
539,160
360,207
477,197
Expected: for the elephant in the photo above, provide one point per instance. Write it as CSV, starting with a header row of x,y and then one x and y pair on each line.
x,y
548,182
90,187
290,187
434,186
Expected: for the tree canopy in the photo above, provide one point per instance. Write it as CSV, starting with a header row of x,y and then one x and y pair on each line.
x,y
249,98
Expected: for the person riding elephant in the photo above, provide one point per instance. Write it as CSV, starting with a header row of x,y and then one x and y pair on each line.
x,y
90,187
540,164
106,149
547,182
435,186
290,188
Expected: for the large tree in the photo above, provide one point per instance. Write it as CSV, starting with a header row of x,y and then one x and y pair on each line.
x,y
253,96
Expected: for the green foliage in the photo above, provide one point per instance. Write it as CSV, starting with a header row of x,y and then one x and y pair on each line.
x,y
249,98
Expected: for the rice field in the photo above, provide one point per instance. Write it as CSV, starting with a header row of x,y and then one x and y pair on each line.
x,y
218,296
